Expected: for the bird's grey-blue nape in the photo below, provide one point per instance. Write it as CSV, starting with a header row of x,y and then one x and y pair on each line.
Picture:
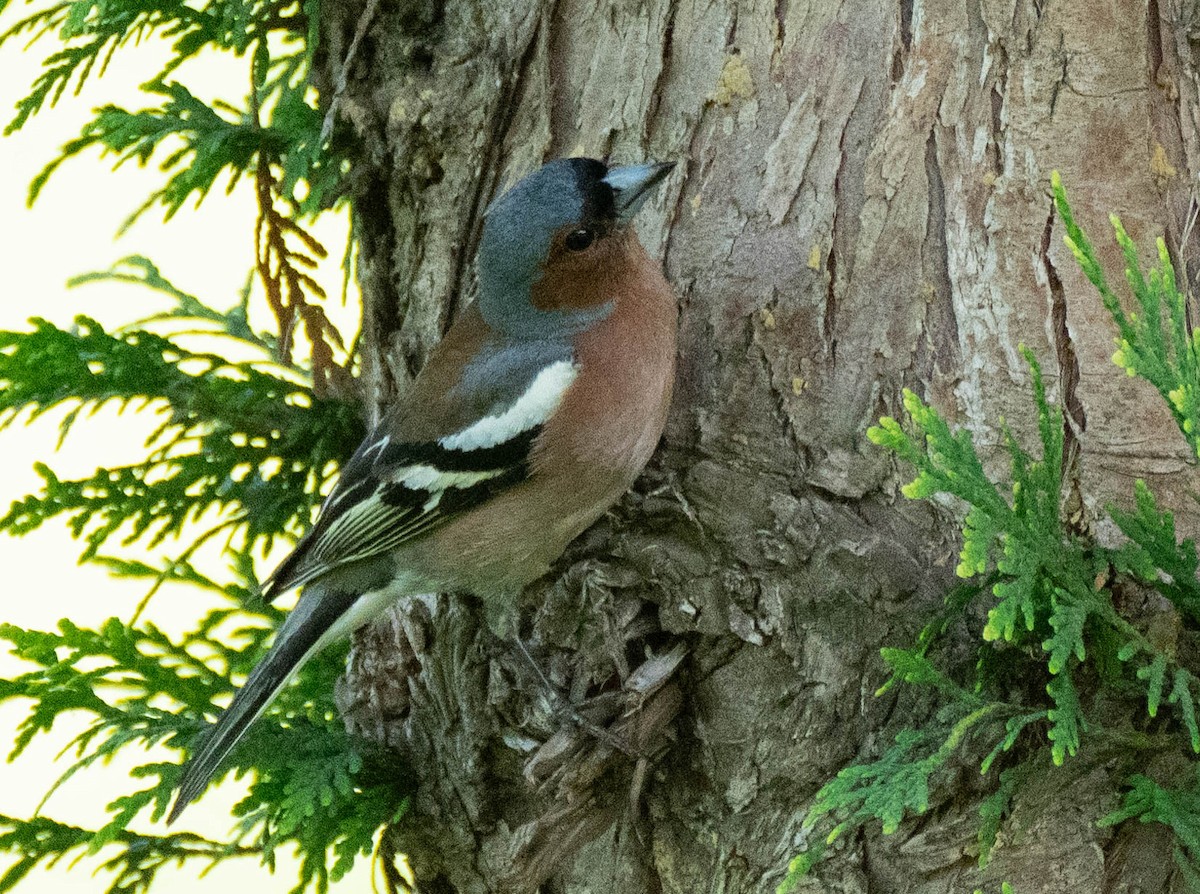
x,y
518,230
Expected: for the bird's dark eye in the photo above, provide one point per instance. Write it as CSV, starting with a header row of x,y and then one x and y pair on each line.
x,y
578,240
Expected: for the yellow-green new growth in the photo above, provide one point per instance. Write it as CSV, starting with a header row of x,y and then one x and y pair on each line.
x,y
1048,590
1153,342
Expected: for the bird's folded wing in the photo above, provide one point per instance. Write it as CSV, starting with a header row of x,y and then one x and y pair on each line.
x,y
395,488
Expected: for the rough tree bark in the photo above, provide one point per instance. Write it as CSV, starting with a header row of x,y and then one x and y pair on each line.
x,y
862,205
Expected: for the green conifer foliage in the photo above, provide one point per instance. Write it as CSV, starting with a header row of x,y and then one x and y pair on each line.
x,y
1047,593
253,424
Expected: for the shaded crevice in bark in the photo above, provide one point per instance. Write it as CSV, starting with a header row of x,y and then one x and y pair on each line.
x,y
829,318
1064,78
997,102
484,185
937,358
1177,112
847,183
561,111
1154,42
783,392
904,47
664,70
1168,144
370,186
781,15
998,96
380,317
686,163
849,195
1074,415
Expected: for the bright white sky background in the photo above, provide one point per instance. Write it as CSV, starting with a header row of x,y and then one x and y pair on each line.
x,y
70,231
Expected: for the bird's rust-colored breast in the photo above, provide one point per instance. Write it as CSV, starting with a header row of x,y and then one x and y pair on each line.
x,y
588,455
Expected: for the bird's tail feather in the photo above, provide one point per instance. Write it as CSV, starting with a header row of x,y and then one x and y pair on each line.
x,y
315,615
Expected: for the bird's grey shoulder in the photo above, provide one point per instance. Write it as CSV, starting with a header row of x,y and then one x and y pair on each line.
x,y
505,369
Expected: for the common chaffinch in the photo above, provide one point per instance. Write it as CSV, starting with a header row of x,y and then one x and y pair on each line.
x,y
533,415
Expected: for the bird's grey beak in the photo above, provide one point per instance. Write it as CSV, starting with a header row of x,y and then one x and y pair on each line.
x,y
631,185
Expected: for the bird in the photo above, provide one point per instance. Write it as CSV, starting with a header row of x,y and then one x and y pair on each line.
x,y
539,408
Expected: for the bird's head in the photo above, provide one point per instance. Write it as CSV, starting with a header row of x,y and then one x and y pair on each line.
x,y
554,245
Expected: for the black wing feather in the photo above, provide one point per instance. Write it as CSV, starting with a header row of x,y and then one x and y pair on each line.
x,y
370,512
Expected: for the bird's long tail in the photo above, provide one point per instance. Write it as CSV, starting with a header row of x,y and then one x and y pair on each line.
x,y
302,633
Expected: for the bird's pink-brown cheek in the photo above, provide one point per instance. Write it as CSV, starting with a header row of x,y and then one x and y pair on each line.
x,y
571,284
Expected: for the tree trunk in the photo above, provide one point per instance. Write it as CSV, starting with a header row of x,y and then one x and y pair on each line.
x,y
862,205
